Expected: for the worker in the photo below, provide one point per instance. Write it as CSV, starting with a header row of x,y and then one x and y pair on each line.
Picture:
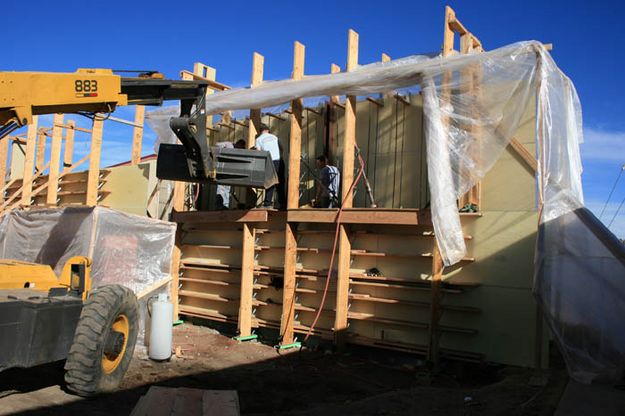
x,y
240,144
328,183
222,200
269,143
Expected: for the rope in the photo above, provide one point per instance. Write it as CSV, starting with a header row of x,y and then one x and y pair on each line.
x,y
612,191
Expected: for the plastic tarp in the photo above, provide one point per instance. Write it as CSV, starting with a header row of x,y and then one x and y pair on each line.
x,y
472,107
125,249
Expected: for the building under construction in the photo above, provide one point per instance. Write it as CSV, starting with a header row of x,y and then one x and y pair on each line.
x,y
461,232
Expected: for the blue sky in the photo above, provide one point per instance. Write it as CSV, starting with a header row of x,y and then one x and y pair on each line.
x,y
169,36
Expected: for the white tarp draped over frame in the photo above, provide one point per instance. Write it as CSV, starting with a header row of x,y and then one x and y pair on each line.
x,y
469,121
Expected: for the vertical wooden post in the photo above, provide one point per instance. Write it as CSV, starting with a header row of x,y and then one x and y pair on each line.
x,y
290,251
137,135
55,160
29,161
247,246
41,150
68,154
4,156
437,262
448,33
257,78
343,264
247,281
93,179
332,145
435,306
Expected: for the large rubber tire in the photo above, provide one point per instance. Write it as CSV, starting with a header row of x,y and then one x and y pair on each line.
x,y
109,319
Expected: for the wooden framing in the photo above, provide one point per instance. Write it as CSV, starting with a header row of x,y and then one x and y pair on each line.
x,y
347,178
137,134
29,161
258,63
93,180
290,250
4,155
55,160
41,150
68,152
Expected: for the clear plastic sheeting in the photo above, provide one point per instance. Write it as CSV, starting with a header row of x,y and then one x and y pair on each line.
x,y
580,285
125,249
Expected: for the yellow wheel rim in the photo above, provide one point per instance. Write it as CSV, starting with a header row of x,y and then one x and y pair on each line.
x,y
110,361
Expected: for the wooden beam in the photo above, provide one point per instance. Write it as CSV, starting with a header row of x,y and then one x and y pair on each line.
x,y
175,271
68,153
29,161
55,160
4,160
524,154
347,176
335,69
247,281
93,178
137,135
41,149
258,63
385,57
435,306
448,33
290,250
225,216
212,84
362,216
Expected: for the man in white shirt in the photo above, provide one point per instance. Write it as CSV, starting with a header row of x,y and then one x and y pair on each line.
x,y
269,143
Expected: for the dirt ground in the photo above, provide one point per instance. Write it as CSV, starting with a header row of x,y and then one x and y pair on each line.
x,y
360,382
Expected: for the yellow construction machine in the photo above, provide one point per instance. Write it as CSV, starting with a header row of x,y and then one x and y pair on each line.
x,y
44,318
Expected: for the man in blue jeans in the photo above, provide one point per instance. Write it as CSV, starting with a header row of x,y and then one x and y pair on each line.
x,y
269,143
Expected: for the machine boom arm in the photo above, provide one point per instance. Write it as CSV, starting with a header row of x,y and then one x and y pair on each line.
x,y
24,94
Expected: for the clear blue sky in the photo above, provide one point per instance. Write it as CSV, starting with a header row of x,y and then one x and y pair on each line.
x,y
168,36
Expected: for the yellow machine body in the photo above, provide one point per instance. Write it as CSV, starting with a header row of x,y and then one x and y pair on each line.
x,y
16,274
24,94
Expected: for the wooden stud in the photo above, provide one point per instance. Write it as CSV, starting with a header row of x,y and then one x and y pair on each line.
x,y
290,250
55,160
247,246
29,161
247,281
4,156
524,154
435,308
257,78
93,178
175,271
68,153
448,33
137,135
347,176
41,150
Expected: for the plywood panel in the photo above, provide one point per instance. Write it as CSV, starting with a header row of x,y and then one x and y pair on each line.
x,y
127,188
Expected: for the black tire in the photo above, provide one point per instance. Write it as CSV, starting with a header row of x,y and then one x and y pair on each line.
x,y
90,369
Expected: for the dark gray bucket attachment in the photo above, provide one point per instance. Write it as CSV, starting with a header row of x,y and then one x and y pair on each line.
x,y
238,167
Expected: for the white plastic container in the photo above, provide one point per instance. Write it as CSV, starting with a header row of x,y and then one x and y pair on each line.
x,y
161,328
